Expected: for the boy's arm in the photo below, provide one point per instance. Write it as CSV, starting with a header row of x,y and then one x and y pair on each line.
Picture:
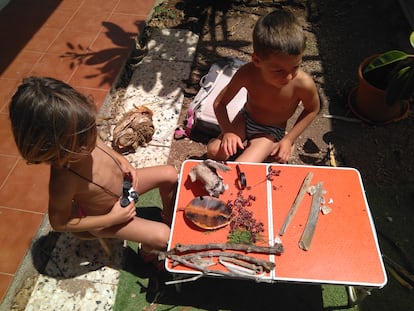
x,y
311,106
230,141
225,97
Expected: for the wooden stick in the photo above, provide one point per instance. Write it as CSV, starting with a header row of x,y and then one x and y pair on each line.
x,y
242,263
400,280
331,152
307,235
399,269
267,265
296,203
105,247
330,116
205,270
277,249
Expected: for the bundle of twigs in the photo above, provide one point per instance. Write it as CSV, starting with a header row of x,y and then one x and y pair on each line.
x,y
238,265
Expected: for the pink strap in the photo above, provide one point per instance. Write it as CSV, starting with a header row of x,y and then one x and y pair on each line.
x,y
181,133
190,122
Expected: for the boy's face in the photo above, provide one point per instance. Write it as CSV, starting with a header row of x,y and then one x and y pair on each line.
x,y
278,69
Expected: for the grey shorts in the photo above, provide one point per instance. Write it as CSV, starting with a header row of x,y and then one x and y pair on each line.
x,y
254,129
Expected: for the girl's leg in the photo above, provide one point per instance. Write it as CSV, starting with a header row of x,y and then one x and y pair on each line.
x,y
153,235
163,177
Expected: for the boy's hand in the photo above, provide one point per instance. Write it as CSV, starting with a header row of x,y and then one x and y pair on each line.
x,y
122,215
230,143
282,151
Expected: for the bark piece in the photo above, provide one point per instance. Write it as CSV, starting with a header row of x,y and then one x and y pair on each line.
x,y
296,203
307,235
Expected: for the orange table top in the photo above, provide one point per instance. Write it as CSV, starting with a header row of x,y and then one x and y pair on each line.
x,y
344,249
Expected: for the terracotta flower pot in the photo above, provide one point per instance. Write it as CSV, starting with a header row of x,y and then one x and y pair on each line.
x,y
368,102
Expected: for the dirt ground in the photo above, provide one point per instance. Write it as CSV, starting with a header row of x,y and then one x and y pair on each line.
x,y
340,34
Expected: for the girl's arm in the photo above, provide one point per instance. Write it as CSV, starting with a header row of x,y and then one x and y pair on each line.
x,y
64,216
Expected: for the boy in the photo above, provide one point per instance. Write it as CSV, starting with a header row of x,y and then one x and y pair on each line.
x,y
54,124
275,86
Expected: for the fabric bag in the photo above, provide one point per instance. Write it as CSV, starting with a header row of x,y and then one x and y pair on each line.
x,y
201,123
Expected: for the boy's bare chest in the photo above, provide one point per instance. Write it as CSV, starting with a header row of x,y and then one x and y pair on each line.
x,y
282,102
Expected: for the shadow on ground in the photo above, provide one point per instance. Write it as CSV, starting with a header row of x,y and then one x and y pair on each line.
x,y
340,35
146,289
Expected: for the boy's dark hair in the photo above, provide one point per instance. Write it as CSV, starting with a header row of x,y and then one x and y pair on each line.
x,y
278,32
51,121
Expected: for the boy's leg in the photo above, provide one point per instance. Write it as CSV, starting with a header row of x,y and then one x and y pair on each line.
x,y
257,150
214,150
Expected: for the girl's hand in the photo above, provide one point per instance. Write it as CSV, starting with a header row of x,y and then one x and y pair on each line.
x,y
230,144
121,214
129,171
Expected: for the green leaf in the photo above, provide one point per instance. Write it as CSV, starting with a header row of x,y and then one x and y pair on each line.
x,y
412,39
385,59
401,86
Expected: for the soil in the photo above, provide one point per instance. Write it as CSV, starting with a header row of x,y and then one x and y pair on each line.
x,y
340,34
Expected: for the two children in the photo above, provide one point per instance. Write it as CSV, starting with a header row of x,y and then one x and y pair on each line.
x,y
52,123
275,86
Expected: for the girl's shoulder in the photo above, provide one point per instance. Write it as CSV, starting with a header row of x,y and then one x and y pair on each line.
x,y
62,180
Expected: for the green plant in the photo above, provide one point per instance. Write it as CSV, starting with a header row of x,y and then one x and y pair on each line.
x,y
393,72
162,12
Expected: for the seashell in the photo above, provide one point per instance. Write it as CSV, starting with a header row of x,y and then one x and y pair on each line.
x,y
208,212
325,209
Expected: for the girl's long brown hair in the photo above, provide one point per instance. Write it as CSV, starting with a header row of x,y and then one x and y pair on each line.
x,y
51,121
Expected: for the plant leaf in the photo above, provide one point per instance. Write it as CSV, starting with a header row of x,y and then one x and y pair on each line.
x,y
412,39
401,86
385,59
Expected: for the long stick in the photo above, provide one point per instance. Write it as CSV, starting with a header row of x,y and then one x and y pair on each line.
x,y
267,265
399,269
277,249
296,203
205,270
307,235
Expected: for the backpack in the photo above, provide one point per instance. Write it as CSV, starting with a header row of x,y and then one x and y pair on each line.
x,y
200,123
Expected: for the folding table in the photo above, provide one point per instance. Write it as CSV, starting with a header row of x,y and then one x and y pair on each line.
x,y
344,249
